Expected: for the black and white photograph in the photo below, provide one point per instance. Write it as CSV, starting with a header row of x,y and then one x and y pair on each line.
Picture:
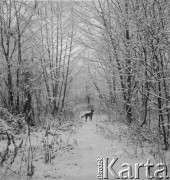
x,y
84,89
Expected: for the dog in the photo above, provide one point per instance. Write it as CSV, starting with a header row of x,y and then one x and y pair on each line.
x,y
90,115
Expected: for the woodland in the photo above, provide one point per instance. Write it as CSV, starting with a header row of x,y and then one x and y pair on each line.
x,y
61,58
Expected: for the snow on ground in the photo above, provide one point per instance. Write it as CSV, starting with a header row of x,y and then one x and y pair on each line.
x,y
80,163
79,160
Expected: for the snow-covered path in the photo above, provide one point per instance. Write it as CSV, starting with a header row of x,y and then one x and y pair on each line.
x,y
81,164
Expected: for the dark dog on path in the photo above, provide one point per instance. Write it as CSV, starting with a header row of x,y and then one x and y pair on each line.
x,y
90,115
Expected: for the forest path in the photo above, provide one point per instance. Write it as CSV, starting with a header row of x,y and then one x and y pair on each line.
x,y
81,163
